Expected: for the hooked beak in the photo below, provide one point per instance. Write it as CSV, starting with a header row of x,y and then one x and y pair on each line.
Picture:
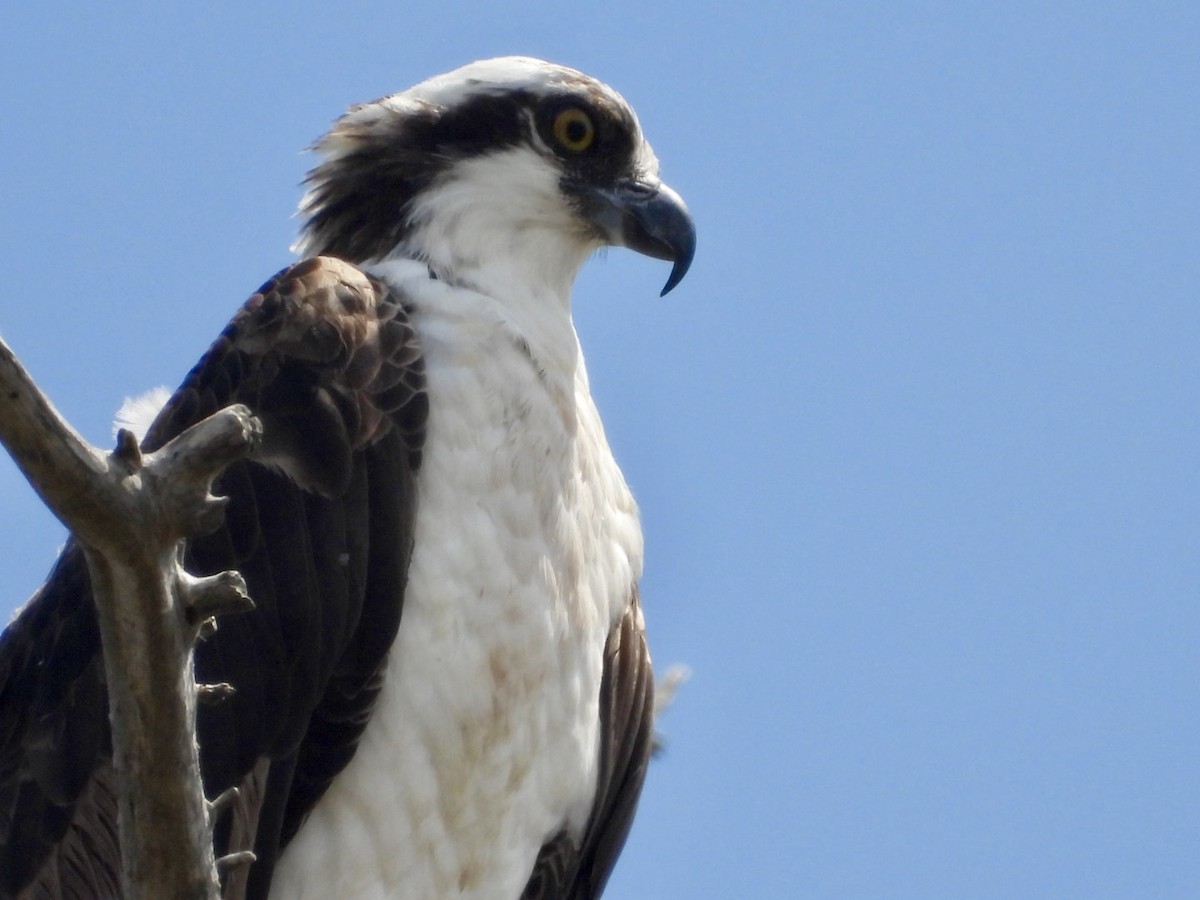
x,y
649,218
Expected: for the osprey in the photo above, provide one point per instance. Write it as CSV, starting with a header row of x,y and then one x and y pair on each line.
x,y
444,688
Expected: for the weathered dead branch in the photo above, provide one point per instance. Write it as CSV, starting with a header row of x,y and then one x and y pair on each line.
x,y
131,512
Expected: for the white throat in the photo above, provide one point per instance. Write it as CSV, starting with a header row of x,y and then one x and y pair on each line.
x,y
499,224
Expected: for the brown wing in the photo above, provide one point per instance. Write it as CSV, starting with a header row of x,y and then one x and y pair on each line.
x,y
574,867
319,524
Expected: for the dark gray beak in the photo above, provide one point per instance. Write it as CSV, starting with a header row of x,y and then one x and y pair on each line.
x,y
649,218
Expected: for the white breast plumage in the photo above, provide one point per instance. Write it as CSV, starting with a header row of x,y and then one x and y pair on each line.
x,y
527,541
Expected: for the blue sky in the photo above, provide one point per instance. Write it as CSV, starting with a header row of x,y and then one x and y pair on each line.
x,y
916,441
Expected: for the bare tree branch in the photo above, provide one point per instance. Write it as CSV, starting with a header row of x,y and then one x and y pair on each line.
x,y
130,513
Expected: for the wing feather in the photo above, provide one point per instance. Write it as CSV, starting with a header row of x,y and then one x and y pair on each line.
x,y
573,867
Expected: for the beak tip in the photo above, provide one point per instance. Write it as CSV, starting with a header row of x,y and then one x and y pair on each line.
x,y
672,282
686,250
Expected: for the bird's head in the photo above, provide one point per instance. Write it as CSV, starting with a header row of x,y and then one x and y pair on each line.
x,y
510,165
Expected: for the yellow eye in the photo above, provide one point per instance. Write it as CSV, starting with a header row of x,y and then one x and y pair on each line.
x,y
573,129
